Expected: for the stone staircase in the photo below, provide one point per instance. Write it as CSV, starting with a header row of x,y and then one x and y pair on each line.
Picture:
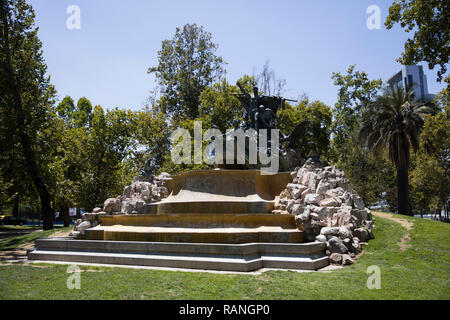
x,y
198,228
212,220
205,256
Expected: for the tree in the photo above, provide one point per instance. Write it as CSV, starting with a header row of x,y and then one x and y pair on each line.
x,y
319,115
393,122
219,108
26,90
82,114
430,176
431,40
150,133
268,83
66,108
107,146
187,64
65,147
356,92
371,178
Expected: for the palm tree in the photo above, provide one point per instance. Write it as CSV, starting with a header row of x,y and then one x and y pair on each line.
x,y
393,122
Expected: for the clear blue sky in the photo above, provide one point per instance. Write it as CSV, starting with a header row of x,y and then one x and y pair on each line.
x,y
305,41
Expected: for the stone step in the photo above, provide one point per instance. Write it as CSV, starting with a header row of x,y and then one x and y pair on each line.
x,y
201,220
203,249
217,206
230,257
269,234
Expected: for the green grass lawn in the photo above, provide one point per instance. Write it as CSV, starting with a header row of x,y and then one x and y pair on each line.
x,y
11,243
420,272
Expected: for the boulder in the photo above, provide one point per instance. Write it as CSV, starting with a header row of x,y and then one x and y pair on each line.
x,y
344,232
83,226
305,193
337,192
290,205
361,234
360,215
323,212
346,199
325,185
74,233
321,238
295,190
97,210
313,181
358,202
127,192
313,198
346,260
329,231
314,216
305,178
306,215
112,205
330,202
164,176
336,245
336,258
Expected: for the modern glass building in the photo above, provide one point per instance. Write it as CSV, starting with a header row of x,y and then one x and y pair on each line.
x,y
413,75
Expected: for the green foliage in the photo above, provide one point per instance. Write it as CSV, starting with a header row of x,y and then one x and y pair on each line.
x,y
219,108
429,19
356,91
26,97
150,134
66,108
319,115
371,178
107,145
187,64
430,174
393,123
82,113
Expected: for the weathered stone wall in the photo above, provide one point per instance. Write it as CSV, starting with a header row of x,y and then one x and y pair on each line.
x,y
328,210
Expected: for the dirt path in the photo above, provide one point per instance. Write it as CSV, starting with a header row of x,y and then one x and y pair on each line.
x,y
20,253
403,243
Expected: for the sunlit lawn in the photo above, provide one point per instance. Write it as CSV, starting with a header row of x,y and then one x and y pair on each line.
x,y
420,272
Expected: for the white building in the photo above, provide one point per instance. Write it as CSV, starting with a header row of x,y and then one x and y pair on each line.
x,y
413,75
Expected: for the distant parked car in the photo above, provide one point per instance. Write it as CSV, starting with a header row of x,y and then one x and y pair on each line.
x,y
4,220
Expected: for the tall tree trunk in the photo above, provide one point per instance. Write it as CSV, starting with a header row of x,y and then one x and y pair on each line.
x,y
402,191
27,148
65,214
15,210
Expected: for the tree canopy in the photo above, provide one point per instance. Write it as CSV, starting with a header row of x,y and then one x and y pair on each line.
x,y
430,22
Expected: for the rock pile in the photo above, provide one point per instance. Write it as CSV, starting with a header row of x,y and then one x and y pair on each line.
x,y
135,199
136,196
327,210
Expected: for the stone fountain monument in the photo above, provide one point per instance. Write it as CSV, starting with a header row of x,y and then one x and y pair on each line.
x,y
226,219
